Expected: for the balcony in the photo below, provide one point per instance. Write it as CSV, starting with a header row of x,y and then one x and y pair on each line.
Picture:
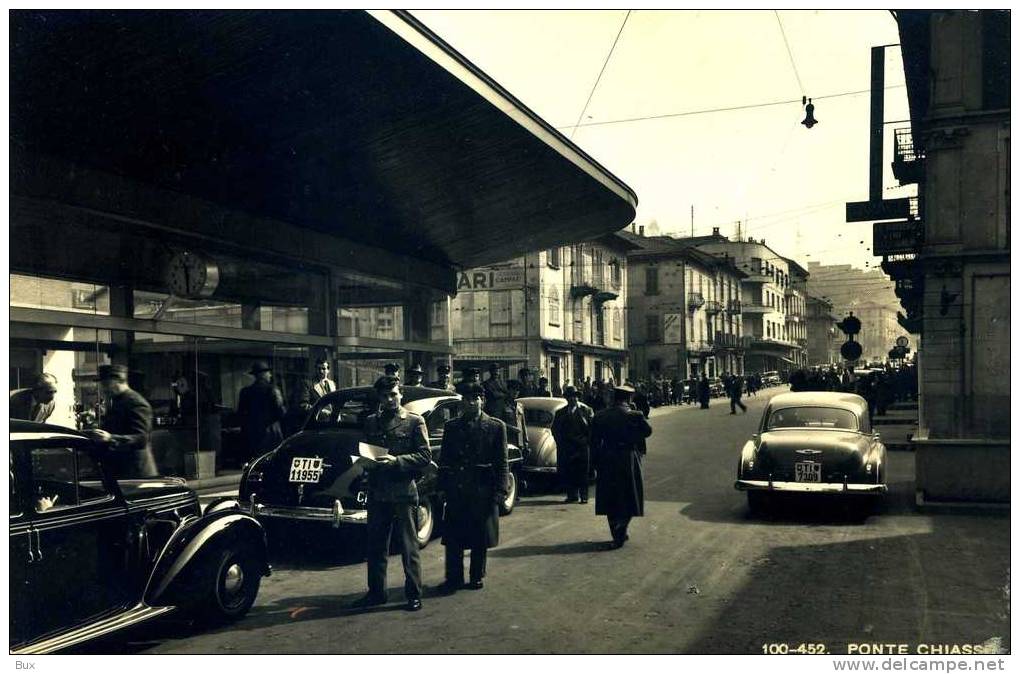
x,y
756,309
695,301
733,307
908,160
580,287
699,347
713,307
724,341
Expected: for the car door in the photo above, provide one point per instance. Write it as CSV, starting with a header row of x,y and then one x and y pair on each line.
x,y
21,557
81,530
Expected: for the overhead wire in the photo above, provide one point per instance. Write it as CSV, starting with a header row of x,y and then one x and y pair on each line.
x,y
599,78
789,51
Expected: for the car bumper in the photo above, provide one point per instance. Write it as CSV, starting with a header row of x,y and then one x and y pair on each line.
x,y
812,487
336,517
539,470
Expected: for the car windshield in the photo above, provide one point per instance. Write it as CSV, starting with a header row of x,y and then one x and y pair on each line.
x,y
538,417
812,417
350,407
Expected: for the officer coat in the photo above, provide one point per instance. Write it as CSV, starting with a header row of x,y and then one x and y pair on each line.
x,y
405,435
473,472
617,445
128,420
572,431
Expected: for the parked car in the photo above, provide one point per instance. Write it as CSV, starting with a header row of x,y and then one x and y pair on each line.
x,y
770,378
813,443
538,417
313,477
716,388
90,554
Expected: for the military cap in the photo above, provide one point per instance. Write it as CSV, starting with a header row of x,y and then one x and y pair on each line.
x,y
118,372
415,369
470,389
259,366
472,372
443,368
392,368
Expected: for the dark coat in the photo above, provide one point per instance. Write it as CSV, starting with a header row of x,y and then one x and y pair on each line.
x,y
25,406
260,407
572,432
704,391
129,421
617,445
474,474
641,403
405,435
495,396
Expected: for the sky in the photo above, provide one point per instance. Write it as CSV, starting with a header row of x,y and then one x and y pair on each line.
x,y
758,165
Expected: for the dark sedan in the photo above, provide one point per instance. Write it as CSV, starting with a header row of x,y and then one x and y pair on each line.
x,y
313,476
90,555
813,443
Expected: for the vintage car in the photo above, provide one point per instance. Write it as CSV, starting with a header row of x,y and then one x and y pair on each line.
x,y
538,417
813,443
90,554
770,378
313,476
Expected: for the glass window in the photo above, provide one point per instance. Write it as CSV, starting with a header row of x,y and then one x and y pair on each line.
x,y
812,417
651,280
553,299
552,257
64,477
436,420
43,293
499,313
653,334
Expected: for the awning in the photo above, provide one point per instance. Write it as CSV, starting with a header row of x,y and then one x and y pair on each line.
x,y
574,347
362,125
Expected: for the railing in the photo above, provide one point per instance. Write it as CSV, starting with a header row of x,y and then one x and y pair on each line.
x,y
733,307
699,346
713,307
695,301
726,340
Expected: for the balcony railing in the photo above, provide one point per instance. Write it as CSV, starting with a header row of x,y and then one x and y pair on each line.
x,y
713,307
695,301
725,340
733,307
699,346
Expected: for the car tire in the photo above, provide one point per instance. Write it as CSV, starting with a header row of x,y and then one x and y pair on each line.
x,y
506,506
757,502
426,522
230,584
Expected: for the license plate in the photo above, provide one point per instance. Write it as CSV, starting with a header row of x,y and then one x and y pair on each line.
x,y
808,471
304,469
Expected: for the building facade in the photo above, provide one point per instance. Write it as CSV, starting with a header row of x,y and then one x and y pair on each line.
x,y
796,313
684,311
955,278
561,312
822,335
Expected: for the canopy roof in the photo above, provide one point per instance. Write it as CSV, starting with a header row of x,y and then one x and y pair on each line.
x,y
365,126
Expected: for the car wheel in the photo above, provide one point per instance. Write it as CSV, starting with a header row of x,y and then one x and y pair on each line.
x,y
507,505
231,584
757,502
426,520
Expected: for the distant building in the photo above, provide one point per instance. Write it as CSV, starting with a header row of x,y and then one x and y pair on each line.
x,y
685,310
561,312
795,298
823,338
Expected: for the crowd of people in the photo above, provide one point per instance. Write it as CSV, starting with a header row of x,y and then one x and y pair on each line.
x,y
880,386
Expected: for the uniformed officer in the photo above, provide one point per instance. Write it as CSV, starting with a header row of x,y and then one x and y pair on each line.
x,y
125,427
443,380
415,375
473,472
617,444
393,494
472,375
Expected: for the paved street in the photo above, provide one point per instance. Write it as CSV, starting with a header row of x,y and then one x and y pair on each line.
x,y
698,575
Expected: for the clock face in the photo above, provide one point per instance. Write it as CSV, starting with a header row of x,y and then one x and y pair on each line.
x,y
191,275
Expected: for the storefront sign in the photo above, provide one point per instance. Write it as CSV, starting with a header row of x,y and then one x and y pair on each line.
x,y
490,279
890,238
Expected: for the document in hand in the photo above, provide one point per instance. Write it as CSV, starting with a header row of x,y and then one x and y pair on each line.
x,y
372,452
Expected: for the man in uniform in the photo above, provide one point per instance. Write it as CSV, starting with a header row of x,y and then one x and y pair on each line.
x,y
617,444
393,494
125,427
512,414
443,379
260,407
495,392
473,472
571,429
36,403
415,375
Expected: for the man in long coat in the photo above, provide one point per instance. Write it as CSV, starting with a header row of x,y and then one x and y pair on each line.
x,y
617,445
474,474
704,392
571,428
260,408
495,392
125,427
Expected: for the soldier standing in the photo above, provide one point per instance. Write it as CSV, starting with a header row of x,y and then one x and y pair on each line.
x,y
571,428
617,445
473,472
393,494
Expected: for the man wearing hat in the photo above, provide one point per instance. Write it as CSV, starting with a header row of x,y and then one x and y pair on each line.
x,y
125,427
527,387
617,444
495,392
443,380
415,375
36,403
471,375
571,429
260,407
474,474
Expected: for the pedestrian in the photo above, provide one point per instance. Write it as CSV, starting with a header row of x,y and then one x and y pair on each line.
x,y
735,388
704,391
261,409
36,403
442,378
393,494
415,375
617,446
524,375
474,474
571,429
471,375
125,427
389,370
316,388
543,388
512,414
495,392
641,400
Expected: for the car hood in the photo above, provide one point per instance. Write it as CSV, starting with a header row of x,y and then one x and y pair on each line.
x,y
835,450
542,447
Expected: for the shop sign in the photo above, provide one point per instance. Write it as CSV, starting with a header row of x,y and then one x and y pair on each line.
x,y
891,238
490,279
671,333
